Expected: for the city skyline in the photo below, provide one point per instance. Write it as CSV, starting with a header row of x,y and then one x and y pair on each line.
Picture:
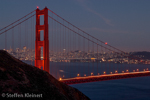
x,y
83,56
123,24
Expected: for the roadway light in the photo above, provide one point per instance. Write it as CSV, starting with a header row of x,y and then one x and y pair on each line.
x,y
104,72
78,75
116,71
110,72
60,79
84,74
122,71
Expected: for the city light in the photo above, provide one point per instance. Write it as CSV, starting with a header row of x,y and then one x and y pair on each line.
x,y
110,72
63,56
84,74
78,75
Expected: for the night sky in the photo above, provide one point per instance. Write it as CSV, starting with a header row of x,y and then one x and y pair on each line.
x,y
123,24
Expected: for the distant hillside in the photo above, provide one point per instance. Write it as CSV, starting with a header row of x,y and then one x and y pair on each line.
x,y
29,82
143,54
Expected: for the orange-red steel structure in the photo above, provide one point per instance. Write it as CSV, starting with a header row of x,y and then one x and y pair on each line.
x,y
105,77
39,61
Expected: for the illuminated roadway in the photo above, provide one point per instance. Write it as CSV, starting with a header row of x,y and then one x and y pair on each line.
x,y
104,77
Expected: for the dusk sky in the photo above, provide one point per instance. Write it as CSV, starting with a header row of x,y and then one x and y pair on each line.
x,y
124,24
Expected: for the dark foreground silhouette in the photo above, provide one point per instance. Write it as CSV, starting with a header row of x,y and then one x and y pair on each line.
x,y
19,80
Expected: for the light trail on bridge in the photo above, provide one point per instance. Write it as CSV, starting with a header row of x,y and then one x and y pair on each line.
x,y
104,77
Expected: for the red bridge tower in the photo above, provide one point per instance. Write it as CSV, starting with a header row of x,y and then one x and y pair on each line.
x,y
39,61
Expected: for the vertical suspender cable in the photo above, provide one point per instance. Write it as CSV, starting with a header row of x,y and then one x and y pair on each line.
x,y
69,50
79,64
93,60
63,49
52,51
97,58
31,40
88,56
83,56
13,39
6,40
27,36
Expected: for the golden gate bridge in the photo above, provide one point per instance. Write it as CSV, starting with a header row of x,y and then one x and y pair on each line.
x,y
54,39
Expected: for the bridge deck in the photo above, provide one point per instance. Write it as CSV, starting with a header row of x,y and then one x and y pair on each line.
x,y
95,78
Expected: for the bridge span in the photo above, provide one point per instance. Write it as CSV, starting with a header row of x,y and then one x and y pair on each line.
x,y
104,77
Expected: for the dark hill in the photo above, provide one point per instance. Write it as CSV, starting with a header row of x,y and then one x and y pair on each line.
x,y
18,79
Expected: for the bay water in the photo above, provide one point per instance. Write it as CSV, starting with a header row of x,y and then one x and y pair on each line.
x,y
121,89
